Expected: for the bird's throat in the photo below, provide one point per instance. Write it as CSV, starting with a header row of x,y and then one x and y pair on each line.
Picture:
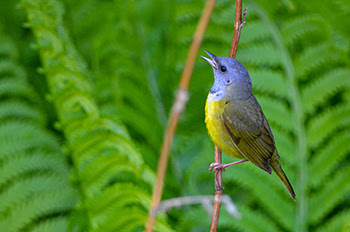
x,y
216,96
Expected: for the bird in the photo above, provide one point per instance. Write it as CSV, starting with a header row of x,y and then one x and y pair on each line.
x,y
236,122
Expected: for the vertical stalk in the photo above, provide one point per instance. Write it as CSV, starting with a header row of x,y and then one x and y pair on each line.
x,y
218,173
176,111
218,193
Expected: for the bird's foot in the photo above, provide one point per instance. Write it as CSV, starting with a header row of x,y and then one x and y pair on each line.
x,y
216,166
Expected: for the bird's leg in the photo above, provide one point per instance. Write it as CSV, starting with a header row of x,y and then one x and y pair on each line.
x,y
215,166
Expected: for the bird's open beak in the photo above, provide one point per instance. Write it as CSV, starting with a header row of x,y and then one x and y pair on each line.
x,y
211,61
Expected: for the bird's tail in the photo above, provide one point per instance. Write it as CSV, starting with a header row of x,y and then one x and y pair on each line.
x,y
280,173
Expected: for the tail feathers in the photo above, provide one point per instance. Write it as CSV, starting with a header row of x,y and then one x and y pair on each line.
x,y
280,173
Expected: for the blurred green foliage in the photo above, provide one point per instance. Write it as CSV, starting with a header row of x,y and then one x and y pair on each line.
x,y
86,88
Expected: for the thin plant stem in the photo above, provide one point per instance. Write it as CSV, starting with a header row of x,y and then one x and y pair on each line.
x,y
218,173
218,193
177,109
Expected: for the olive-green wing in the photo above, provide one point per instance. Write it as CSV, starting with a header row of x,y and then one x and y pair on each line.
x,y
249,131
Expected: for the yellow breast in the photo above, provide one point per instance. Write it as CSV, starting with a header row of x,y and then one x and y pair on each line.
x,y
213,119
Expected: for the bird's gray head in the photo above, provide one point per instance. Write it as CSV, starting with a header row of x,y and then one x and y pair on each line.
x,y
231,77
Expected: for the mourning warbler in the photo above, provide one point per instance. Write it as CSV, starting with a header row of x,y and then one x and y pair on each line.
x,y
236,122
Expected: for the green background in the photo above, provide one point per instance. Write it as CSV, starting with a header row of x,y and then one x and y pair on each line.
x,y
86,88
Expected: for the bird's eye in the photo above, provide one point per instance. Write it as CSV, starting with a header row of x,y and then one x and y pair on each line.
x,y
223,69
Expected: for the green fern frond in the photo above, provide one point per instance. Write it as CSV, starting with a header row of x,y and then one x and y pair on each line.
x,y
185,14
88,135
322,88
336,222
111,197
131,215
8,50
333,192
278,112
196,219
34,174
10,87
135,88
326,123
346,224
130,115
322,165
17,165
32,136
9,69
14,109
130,200
85,151
251,220
341,44
130,219
89,171
260,55
114,66
270,82
59,224
311,56
266,190
99,181
254,32
302,26
23,189
285,145
40,205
